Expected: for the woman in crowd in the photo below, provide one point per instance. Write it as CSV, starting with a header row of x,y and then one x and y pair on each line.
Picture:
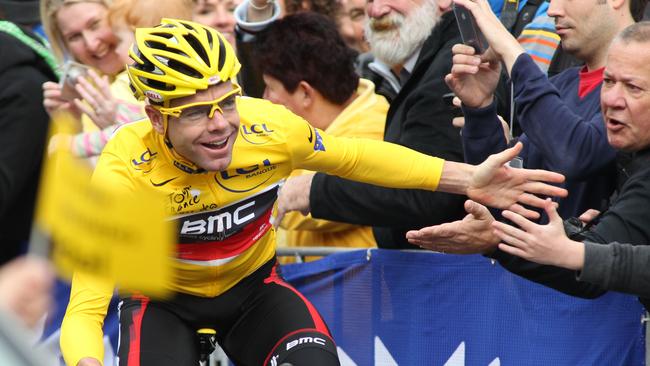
x,y
97,34
218,14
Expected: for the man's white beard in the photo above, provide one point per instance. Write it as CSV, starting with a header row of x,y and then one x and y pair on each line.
x,y
394,37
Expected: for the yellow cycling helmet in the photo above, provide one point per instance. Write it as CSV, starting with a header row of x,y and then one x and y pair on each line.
x,y
177,58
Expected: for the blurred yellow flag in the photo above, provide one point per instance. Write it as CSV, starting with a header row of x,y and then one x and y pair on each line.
x,y
97,230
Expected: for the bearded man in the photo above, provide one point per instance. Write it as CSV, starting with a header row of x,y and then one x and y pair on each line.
x,y
414,38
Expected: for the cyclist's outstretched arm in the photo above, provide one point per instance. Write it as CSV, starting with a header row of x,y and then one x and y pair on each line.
x,y
81,331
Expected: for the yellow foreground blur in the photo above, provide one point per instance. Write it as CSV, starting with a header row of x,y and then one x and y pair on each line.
x,y
121,237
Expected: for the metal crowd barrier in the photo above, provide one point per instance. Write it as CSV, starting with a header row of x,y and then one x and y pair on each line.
x,y
299,253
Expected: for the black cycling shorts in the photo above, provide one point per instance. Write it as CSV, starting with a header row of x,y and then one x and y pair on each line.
x,y
260,321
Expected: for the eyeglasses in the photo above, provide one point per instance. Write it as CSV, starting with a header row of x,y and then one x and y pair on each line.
x,y
199,111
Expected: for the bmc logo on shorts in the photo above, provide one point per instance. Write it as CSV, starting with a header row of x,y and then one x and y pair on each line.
x,y
305,340
315,340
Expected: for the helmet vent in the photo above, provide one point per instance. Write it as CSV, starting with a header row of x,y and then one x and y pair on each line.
x,y
222,56
163,35
188,26
184,69
198,48
160,46
147,65
210,40
155,84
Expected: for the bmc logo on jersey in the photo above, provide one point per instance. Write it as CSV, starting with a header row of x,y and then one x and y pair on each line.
x,y
247,178
144,161
221,223
256,134
226,221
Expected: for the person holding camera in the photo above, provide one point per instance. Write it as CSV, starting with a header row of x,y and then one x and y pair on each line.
x,y
560,117
93,37
93,87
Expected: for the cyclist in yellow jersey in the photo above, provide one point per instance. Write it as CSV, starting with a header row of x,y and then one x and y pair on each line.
x,y
220,160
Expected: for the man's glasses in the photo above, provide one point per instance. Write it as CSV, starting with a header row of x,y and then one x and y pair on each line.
x,y
200,111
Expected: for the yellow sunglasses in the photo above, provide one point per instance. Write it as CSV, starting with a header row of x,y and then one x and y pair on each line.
x,y
195,112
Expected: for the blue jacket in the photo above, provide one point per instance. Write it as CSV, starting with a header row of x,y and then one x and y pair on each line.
x,y
562,133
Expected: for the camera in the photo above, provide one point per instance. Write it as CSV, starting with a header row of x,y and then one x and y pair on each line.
x,y
575,229
470,33
72,71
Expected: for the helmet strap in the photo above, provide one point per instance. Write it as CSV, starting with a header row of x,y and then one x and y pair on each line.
x,y
168,142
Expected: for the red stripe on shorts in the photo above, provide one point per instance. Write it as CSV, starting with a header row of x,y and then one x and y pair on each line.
x,y
135,332
318,321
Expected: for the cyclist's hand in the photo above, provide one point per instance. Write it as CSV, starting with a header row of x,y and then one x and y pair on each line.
x,y
89,361
495,184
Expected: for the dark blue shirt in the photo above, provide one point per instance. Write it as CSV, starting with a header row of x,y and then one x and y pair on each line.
x,y
562,133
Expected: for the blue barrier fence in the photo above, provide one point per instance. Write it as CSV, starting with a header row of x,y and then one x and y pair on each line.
x,y
422,308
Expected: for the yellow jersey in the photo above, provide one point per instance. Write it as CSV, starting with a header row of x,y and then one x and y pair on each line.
x,y
223,218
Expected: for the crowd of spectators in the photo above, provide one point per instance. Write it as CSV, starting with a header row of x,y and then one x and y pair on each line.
x,y
575,75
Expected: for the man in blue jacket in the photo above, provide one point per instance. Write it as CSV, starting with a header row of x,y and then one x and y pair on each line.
x,y
560,118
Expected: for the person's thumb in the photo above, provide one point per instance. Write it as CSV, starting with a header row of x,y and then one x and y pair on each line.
x,y
551,210
476,209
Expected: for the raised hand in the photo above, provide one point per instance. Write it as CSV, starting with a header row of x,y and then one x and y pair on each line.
x,y
100,105
473,78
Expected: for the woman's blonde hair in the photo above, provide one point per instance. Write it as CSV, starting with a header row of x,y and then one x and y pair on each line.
x,y
148,13
49,8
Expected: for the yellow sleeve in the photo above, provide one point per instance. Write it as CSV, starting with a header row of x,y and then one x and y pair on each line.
x,y
81,331
369,161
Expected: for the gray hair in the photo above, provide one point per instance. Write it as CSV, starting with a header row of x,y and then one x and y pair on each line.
x,y
637,32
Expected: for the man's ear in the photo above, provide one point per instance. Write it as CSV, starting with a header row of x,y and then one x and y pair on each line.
x,y
156,119
307,94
